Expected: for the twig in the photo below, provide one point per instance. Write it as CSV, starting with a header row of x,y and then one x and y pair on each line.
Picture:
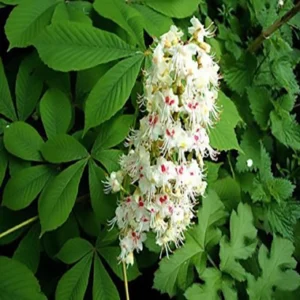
x,y
11,230
265,34
125,281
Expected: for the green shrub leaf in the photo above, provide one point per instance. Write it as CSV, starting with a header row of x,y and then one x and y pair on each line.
x,y
23,141
3,161
113,90
28,86
28,251
58,198
73,250
71,46
113,133
63,148
276,270
222,136
17,281
56,112
25,185
74,282
102,204
103,286
241,228
174,8
109,159
28,20
7,108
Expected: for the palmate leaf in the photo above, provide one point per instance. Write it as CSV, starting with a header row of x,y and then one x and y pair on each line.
x,y
174,8
102,204
56,112
151,18
111,91
28,251
222,135
103,286
70,11
113,132
74,250
74,282
28,20
24,186
23,141
7,108
125,16
109,159
63,148
17,281
28,86
3,161
214,283
276,270
202,237
58,198
70,46
241,228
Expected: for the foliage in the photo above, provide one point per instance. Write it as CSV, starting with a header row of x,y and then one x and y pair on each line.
x,y
69,88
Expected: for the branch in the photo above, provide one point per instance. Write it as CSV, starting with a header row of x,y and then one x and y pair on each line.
x,y
265,34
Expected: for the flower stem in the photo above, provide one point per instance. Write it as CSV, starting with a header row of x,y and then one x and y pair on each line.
x,y
265,34
11,230
125,281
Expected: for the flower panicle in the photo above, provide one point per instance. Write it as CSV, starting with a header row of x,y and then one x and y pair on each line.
x,y
165,161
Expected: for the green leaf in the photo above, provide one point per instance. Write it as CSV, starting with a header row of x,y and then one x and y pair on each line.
x,y
276,271
112,133
28,86
58,198
63,148
110,159
212,171
71,46
251,150
103,205
222,135
28,251
235,249
239,74
3,161
110,255
123,15
281,189
282,70
56,112
199,239
70,11
7,108
23,141
285,129
113,90
24,186
174,8
283,217
17,281
261,106
210,289
228,189
151,18
53,241
265,169
74,282
74,250
17,164
27,21
103,286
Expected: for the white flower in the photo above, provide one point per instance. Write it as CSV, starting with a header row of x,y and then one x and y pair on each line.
x,y
113,182
249,163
